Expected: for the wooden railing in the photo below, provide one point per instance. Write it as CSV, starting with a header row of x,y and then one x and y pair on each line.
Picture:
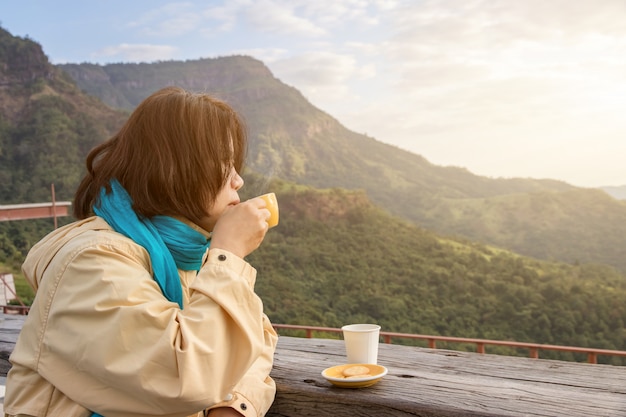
x,y
52,209
533,348
443,383
15,309
423,382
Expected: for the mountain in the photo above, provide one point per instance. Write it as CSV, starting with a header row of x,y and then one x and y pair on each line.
x,y
618,192
335,257
46,124
293,140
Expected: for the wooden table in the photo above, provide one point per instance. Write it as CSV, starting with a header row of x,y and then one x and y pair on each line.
x,y
428,383
432,382
10,326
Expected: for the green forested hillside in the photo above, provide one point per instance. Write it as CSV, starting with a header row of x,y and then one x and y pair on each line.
x,y
340,256
618,192
47,125
293,140
549,224
336,258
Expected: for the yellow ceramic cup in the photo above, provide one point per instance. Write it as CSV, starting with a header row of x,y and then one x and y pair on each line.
x,y
272,206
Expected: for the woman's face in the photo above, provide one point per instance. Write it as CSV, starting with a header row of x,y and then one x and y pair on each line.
x,y
227,196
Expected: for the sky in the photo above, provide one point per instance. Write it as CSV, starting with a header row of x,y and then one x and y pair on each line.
x,y
503,88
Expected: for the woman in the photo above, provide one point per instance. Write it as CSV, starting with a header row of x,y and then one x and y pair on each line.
x,y
145,305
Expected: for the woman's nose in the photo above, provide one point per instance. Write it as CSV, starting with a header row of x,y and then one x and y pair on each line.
x,y
237,181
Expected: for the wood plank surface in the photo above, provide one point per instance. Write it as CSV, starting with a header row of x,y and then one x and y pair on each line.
x,y
432,382
426,382
10,326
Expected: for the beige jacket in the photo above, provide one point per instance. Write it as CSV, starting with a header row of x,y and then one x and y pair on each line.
x,y
101,336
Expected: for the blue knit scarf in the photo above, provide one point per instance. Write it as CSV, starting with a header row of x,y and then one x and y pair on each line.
x,y
171,244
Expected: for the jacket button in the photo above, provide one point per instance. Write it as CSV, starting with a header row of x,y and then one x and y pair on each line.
x,y
243,406
222,257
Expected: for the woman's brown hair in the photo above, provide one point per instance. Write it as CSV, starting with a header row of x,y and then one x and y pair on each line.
x,y
173,156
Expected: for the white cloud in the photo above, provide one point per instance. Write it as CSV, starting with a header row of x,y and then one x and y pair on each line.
x,y
481,84
267,55
227,13
135,53
322,76
499,87
446,47
331,13
170,20
272,17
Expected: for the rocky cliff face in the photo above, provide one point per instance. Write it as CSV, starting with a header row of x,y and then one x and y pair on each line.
x,y
23,68
22,60
292,140
125,85
47,125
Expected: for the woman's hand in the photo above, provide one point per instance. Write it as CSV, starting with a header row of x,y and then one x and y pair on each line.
x,y
241,228
224,412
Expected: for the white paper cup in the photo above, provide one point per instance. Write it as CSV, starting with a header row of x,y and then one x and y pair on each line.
x,y
361,342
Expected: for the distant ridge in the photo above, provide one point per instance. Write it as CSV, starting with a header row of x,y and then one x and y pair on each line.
x,y
335,257
618,192
293,140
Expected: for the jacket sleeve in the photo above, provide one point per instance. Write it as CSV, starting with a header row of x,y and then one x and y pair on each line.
x,y
255,392
115,345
